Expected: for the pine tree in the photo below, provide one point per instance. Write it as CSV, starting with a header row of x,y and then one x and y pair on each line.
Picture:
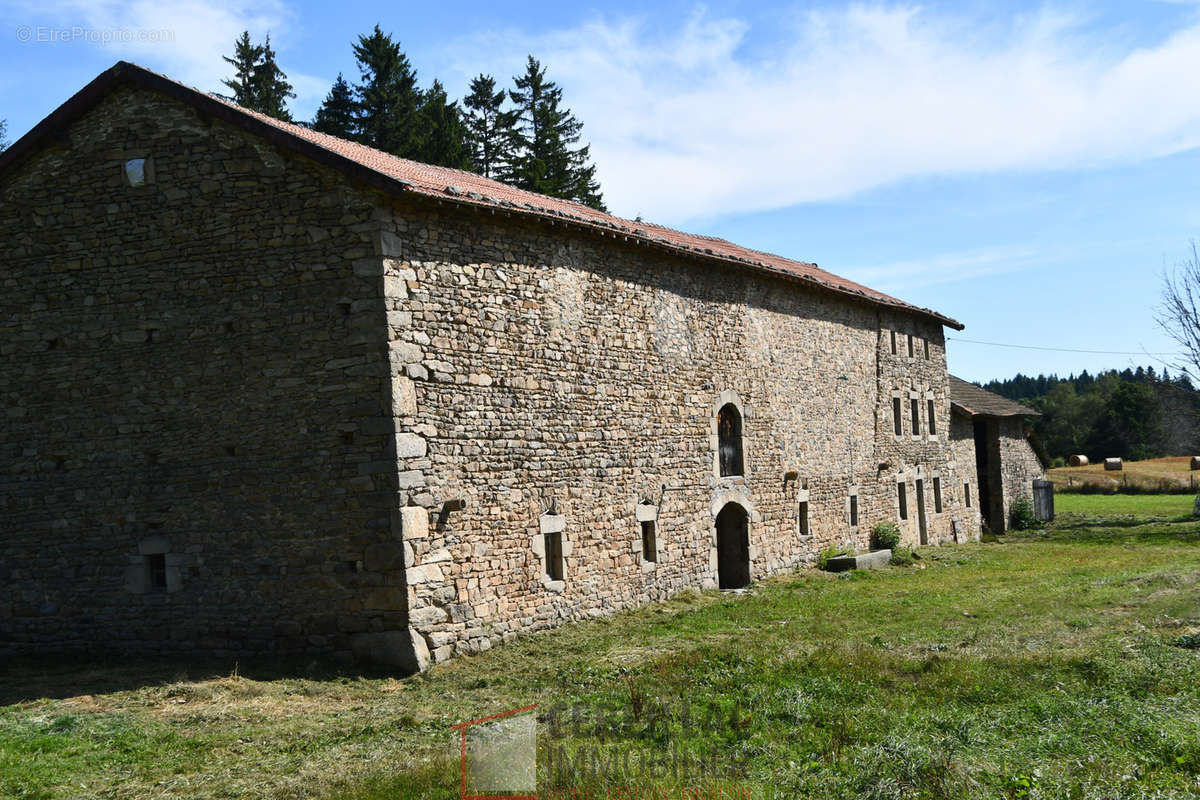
x,y
246,56
387,99
3,134
548,162
271,87
442,136
490,129
336,115
258,83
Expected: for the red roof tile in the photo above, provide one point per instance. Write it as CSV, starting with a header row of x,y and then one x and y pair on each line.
x,y
457,185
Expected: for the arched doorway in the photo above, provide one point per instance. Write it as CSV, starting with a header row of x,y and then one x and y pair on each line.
x,y
733,547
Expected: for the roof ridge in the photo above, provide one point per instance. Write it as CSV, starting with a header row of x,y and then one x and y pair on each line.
x,y
392,173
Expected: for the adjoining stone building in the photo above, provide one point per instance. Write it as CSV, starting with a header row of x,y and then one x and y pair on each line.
x,y
270,391
992,432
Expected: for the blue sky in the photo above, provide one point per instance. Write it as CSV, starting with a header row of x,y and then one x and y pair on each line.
x,y
1029,170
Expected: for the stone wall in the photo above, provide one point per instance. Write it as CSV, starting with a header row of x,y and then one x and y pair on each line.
x,y
550,370
1019,463
962,444
193,370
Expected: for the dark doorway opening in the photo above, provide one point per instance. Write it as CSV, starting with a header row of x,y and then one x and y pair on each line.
x,y
733,547
921,526
983,472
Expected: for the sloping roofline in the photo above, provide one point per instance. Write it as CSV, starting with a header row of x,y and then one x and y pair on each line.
x,y
401,176
976,401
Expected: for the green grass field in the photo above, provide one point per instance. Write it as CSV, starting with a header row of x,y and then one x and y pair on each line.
x,y
1164,505
1059,663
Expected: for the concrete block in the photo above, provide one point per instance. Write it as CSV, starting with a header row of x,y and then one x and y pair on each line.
x,y
874,560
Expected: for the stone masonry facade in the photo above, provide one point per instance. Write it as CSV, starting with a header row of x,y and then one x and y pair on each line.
x,y
255,406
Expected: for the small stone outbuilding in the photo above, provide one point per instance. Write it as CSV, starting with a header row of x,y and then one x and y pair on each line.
x,y
269,391
993,433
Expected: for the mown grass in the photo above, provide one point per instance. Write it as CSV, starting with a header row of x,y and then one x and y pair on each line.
x,y
1155,475
1055,664
1162,505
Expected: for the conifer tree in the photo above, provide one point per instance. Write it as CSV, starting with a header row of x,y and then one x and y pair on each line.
x,y
246,56
490,129
442,136
548,161
258,83
271,87
336,115
3,134
387,99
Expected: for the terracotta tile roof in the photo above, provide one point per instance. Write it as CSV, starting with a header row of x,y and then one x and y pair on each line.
x,y
976,401
454,185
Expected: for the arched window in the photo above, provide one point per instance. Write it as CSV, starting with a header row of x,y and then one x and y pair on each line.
x,y
729,440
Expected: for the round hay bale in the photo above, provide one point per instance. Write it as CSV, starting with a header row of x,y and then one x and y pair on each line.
x,y
1112,463
1078,461
1195,462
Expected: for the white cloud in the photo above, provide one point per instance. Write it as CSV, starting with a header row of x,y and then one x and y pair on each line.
x,y
182,39
694,122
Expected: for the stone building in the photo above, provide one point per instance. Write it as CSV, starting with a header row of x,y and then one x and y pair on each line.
x,y
270,391
991,431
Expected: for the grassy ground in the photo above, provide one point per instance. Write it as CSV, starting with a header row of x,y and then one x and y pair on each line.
x,y
1175,471
1168,505
1055,664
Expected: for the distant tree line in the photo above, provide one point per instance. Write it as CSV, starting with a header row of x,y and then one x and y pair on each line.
x,y
523,136
1133,414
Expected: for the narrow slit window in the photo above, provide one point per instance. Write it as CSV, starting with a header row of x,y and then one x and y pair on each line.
x,y
902,497
853,511
926,349
910,345
156,572
649,542
729,440
897,426
554,558
937,495
893,343
932,419
967,493
915,408
802,517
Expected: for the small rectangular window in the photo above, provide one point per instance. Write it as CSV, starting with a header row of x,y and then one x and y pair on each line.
x,y
893,343
554,559
802,517
156,571
135,172
853,511
937,495
926,349
649,542
896,424
902,497
932,420
910,345
967,494
915,408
